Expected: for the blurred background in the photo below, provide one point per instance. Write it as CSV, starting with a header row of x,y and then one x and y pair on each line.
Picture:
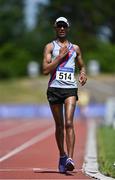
x,y
26,26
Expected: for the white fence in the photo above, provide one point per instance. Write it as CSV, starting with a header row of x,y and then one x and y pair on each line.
x,y
110,111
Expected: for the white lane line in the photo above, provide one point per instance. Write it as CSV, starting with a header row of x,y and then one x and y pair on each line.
x,y
15,169
28,143
90,165
44,179
20,129
34,169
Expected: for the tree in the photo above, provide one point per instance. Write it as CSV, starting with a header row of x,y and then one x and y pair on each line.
x,y
11,20
13,56
86,17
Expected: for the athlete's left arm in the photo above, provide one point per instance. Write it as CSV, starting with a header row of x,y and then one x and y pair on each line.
x,y
81,66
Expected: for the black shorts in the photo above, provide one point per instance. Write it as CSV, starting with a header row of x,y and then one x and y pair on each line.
x,y
58,95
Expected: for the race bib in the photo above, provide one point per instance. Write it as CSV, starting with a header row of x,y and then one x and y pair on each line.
x,y
65,74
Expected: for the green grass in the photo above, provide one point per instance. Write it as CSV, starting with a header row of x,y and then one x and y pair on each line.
x,y
106,150
24,90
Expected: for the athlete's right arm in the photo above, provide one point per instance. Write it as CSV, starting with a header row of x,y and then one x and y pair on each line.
x,y
48,64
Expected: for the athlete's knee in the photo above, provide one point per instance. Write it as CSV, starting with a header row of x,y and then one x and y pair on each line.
x,y
69,125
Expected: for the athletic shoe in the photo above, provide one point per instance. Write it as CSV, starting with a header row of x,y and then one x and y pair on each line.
x,y
69,166
62,162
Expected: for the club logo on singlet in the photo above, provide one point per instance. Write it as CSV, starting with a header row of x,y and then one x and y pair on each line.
x,y
65,74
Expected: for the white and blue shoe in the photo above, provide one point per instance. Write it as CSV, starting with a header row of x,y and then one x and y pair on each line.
x,y
69,166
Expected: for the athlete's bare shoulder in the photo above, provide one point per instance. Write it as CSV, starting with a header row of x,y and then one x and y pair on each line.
x,y
47,52
49,46
76,47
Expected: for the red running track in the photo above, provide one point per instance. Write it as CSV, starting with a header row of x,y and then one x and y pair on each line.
x,y
28,150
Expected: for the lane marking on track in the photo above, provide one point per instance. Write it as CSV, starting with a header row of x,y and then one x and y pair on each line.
x,y
90,165
20,129
35,170
15,169
46,179
28,143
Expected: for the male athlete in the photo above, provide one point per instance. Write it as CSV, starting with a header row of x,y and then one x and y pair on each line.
x,y
60,58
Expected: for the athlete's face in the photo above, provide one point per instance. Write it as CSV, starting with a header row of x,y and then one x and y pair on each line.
x,y
61,29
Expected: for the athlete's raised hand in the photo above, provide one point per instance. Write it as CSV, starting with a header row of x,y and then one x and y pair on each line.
x,y
63,52
48,64
82,78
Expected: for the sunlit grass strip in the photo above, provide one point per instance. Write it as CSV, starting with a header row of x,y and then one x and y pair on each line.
x,y
106,150
24,90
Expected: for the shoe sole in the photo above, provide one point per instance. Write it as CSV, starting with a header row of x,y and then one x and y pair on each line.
x,y
62,172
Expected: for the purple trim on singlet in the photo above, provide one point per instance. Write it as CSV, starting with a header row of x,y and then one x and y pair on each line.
x,y
66,59
53,76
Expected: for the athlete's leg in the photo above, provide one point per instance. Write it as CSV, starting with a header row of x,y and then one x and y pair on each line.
x,y
70,104
57,111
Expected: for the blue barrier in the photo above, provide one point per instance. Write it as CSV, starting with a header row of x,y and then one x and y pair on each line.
x,y
24,111
39,111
